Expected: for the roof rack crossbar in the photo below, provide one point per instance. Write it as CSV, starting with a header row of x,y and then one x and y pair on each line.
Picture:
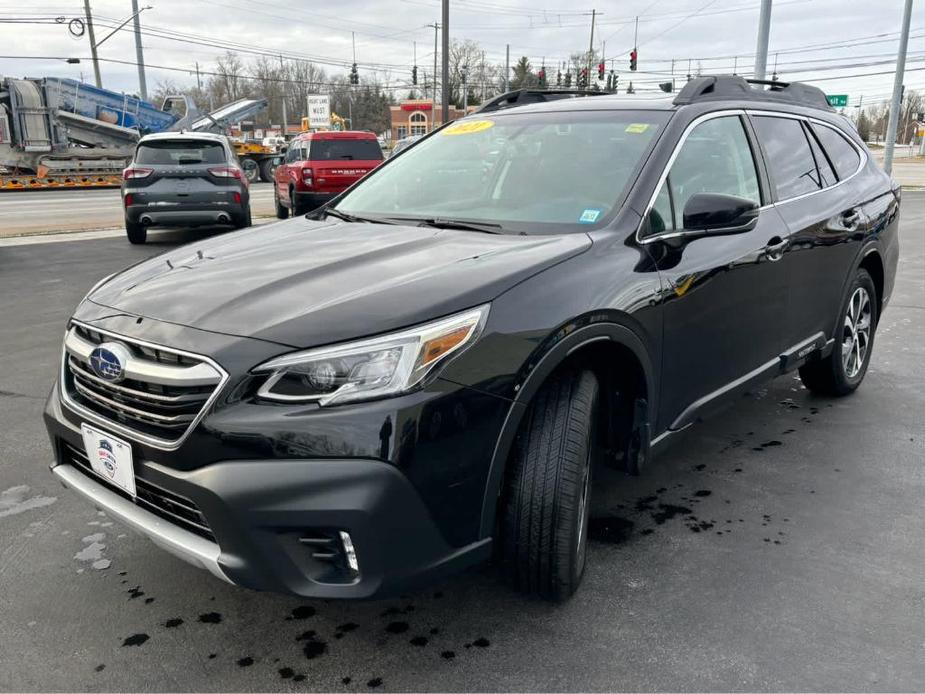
x,y
737,88
521,97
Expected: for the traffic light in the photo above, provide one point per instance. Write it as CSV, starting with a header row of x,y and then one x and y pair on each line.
x,y
568,79
414,75
541,76
583,77
633,56
354,76
600,70
559,78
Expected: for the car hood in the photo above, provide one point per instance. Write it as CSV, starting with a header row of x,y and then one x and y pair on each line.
x,y
302,283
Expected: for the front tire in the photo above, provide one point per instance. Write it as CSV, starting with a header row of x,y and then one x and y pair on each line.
x,y
137,233
544,533
842,371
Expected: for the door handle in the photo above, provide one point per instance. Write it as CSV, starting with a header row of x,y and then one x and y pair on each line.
x,y
775,247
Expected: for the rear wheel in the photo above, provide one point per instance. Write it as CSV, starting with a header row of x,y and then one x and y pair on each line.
x,y
842,371
137,233
244,220
297,209
267,169
544,533
282,212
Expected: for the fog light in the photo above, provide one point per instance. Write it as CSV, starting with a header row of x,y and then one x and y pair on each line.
x,y
349,551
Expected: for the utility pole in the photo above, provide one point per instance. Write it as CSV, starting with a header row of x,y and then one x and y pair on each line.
x,y
507,66
764,34
433,96
282,74
198,79
445,77
139,53
896,104
465,87
353,39
591,45
92,36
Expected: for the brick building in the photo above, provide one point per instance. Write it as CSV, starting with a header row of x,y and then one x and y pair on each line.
x,y
418,117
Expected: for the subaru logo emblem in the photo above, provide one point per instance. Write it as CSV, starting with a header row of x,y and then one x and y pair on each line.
x,y
108,361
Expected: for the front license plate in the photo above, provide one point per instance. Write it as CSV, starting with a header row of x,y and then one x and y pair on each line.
x,y
110,458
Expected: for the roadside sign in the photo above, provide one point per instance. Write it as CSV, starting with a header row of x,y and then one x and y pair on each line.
x,y
319,111
837,100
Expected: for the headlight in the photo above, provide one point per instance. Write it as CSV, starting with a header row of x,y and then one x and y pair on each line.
x,y
372,368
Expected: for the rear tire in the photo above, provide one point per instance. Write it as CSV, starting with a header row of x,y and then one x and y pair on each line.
x,y
244,220
137,233
267,169
544,526
294,206
842,371
281,211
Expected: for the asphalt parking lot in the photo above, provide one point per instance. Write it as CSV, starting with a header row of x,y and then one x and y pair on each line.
x,y
779,546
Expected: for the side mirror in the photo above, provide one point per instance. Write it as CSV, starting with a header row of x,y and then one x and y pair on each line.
x,y
716,213
283,149
277,161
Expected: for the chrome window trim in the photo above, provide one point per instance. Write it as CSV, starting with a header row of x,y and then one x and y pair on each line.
x,y
739,112
793,116
116,427
665,171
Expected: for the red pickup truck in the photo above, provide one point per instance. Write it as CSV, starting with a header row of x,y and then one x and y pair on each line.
x,y
317,166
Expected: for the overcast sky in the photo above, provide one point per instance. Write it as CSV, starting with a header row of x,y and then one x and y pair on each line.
x,y
853,36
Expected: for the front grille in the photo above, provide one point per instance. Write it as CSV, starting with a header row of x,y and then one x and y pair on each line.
x,y
167,505
162,395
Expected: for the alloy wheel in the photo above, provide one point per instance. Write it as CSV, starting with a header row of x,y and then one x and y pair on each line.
x,y
856,333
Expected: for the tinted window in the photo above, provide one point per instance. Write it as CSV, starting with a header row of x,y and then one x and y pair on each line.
x,y
844,156
531,172
826,175
788,156
344,150
715,158
180,152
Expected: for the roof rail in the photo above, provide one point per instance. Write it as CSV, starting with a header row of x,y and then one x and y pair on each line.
x,y
736,88
521,97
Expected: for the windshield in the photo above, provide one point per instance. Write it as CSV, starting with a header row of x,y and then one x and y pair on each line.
x,y
527,172
344,150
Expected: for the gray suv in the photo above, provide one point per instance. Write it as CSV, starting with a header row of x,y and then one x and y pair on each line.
x,y
184,179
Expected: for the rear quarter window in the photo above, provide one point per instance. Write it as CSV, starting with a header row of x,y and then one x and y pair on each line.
x,y
843,155
788,155
180,152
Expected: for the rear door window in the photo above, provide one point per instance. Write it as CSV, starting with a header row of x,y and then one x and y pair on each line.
x,y
344,150
843,154
788,155
180,153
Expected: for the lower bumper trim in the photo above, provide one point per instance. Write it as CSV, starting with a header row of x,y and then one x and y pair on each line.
x,y
179,542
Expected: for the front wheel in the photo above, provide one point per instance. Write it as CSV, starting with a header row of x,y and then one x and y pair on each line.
x,y
544,533
842,371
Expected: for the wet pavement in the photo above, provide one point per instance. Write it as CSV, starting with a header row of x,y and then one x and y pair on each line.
x,y
779,546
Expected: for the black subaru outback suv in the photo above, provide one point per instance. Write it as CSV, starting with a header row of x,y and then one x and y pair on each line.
x,y
422,374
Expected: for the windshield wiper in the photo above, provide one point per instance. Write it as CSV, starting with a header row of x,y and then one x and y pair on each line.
x,y
334,212
442,223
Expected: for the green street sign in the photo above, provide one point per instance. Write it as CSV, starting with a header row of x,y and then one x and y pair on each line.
x,y
837,100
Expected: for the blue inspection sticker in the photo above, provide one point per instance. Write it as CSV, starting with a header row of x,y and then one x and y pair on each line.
x,y
589,216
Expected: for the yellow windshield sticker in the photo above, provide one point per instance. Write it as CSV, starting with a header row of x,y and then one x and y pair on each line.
x,y
467,127
637,127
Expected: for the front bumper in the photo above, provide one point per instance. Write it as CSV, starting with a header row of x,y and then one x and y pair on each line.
x,y
265,518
